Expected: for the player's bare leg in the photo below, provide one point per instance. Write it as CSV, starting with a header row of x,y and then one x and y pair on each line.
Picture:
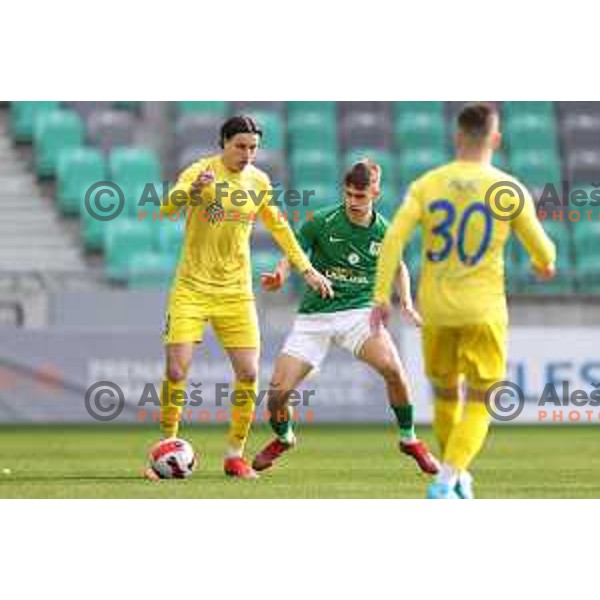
x,y
379,352
289,372
178,359
244,362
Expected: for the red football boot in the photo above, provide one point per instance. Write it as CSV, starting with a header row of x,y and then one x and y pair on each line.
x,y
236,466
269,454
423,457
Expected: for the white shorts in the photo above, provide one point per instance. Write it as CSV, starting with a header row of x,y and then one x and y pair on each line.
x,y
312,334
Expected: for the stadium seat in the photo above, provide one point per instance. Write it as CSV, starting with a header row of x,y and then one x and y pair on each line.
x,y
583,167
274,163
327,108
133,165
126,237
150,270
530,131
430,107
511,109
581,131
111,128
143,196
215,107
198,130
361,107
251,106
23,116
77,170
414,162
131,105
390,199
314,165
419,128
312,129
189,155
365,130
55,131
536,167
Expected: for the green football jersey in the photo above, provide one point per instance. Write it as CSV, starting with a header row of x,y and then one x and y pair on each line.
x,y
346,254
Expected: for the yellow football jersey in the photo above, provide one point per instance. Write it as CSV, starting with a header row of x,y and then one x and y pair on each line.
x,y
216,251
462,256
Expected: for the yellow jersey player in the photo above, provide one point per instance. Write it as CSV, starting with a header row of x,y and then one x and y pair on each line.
x,y
223,196
343,241
466,217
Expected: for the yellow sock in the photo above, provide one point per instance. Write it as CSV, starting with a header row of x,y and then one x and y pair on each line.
x,y
241,417
446,415
467,436
169,411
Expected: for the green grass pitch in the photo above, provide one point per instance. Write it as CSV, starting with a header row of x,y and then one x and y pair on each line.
x,y
330,462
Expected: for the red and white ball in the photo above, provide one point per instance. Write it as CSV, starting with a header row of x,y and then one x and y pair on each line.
x,y
173,458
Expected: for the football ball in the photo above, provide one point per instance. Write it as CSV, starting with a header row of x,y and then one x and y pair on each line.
x,y
173,459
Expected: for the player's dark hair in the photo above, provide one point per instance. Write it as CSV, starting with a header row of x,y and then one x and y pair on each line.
x,y
238,124
359,176
476,120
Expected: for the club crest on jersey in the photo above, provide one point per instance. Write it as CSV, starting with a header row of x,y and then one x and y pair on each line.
x,y
374,248
353,258
215,211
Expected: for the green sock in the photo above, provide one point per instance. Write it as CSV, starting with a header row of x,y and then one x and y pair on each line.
x,y
404,416
282,424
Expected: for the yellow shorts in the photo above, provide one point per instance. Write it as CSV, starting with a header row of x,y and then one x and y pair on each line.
x,y
234,320
477,352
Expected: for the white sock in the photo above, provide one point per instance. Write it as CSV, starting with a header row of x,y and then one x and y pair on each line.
x,y
231,453
447,475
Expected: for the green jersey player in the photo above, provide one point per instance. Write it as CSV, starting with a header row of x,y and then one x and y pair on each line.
x,y
343,242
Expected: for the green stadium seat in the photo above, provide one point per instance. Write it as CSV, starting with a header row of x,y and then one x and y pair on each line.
x,y
312,130
77,170
23,116
513,108
432,107
132,105
531,131
53,132
414,162
536,168
93,231
326,108
142,196
213,107
133,165
586,235
587,272
422,129
273,129
150,270
314,165
389,201
124,238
